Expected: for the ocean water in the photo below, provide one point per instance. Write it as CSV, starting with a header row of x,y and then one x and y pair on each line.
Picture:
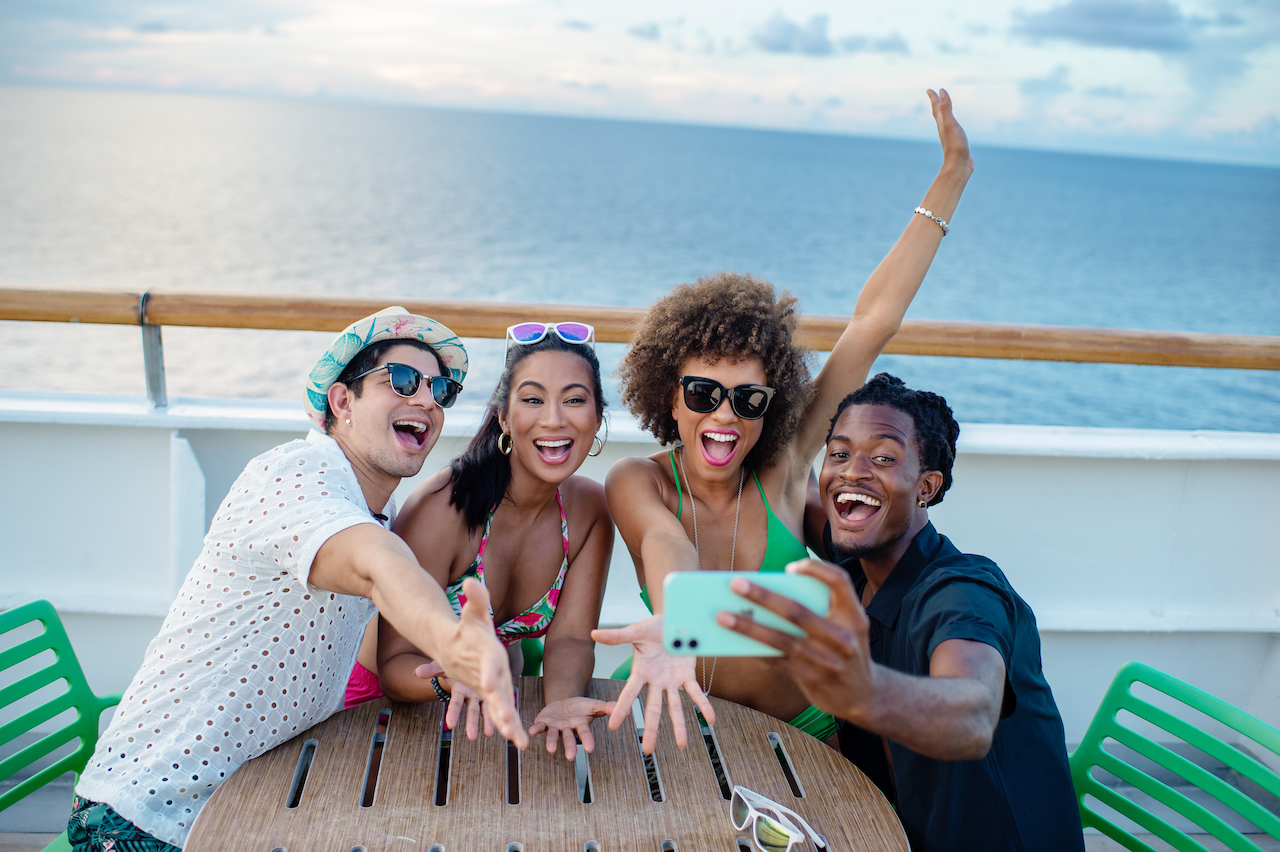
x,y
113,189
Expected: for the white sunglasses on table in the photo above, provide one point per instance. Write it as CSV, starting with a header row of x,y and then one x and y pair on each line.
x,y
773,833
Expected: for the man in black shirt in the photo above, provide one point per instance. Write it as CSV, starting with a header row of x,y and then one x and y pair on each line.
x,y
928,656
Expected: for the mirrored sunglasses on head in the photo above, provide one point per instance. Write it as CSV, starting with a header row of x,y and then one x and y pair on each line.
x,y
570,332
406,380
770,832
705,395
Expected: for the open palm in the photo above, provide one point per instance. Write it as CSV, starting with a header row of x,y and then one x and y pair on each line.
x,y
569,719
664,674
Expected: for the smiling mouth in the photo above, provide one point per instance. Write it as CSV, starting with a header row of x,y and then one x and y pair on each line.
x,y
856,507
412,433
719,446
553,449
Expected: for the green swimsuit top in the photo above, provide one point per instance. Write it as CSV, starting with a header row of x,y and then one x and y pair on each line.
x,y
781,549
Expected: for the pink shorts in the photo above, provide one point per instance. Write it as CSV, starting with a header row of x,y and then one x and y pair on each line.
x,y
363,686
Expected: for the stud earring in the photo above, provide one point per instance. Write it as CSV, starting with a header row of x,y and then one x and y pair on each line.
x,y
348,421
922,504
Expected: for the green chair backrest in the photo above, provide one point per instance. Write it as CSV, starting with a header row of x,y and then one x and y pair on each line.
x,y
1107,727
18,682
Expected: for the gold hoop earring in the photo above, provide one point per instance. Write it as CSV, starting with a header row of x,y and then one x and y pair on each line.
x,y
505,450
597,445
922,504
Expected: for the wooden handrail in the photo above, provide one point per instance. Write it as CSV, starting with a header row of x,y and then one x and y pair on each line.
x,y
615,325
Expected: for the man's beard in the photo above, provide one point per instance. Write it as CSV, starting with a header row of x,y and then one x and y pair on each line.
x,y
844,555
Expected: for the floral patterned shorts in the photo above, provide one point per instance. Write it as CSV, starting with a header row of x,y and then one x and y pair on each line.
x,y
95,827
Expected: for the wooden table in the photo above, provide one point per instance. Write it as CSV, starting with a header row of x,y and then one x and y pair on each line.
x,y
541,810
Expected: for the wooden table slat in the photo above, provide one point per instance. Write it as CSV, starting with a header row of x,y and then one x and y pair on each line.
x,y
248,812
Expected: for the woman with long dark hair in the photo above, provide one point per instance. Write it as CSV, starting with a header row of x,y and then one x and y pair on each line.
x,y
511,512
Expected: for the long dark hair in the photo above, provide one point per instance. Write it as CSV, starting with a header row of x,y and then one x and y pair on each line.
x,y
480,476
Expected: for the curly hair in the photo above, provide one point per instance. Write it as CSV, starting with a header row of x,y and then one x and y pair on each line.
x,y
724,316
936,429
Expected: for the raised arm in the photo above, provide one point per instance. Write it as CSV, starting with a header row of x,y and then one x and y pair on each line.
x,y
369,561
884,299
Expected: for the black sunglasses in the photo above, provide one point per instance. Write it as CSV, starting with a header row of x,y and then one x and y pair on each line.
x,y
406,380
705,395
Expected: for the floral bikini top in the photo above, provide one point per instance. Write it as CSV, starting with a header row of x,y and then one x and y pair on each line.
x,y
535,620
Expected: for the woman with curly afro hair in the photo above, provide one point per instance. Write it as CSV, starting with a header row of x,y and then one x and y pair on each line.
x,y
714,369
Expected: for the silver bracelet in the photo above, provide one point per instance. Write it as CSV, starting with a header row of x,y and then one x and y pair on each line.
x,y
441,695
942,223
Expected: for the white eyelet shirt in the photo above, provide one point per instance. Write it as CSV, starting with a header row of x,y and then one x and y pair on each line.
x,y
250,655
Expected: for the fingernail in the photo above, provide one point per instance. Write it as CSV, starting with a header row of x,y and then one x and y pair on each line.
x,y
739,585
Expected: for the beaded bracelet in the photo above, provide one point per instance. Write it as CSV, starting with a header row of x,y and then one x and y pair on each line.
x,y
441,695
929,214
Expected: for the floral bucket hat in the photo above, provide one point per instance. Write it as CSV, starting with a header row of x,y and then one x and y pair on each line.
x,y
394,323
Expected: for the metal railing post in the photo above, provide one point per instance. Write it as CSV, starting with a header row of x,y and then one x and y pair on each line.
x,y
152,356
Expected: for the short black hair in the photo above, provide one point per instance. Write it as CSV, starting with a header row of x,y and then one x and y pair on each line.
x,y
366,359
935,428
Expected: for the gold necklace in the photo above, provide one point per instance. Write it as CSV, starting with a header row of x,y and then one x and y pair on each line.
x,y
733,553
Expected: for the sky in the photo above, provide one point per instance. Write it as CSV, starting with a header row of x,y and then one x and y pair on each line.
x,y
1180,79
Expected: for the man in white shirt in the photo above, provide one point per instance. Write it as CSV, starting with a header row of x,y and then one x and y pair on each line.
x,y
259,643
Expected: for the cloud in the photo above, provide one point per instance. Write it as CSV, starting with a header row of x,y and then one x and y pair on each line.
x,y
649,31
160,17
1156,25
1211,48
862,44
579,84
1108,92
781,35
583,26
1046,87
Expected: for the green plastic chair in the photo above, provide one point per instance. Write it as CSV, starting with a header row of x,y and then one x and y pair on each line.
x,y
1105,727
78,696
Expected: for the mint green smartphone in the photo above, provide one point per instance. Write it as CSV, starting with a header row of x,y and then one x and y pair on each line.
x,y
691,600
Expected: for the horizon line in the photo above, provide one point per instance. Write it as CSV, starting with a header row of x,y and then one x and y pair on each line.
x,y
324,97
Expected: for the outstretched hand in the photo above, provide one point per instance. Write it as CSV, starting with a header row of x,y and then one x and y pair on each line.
x,y
569,719
831,661
475,660
955,144
463,699
664,673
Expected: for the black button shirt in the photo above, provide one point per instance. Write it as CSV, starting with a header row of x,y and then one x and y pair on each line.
x,y
1018,797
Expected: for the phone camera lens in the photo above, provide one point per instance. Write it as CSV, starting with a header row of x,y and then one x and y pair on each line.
x,y
693,643
677,643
